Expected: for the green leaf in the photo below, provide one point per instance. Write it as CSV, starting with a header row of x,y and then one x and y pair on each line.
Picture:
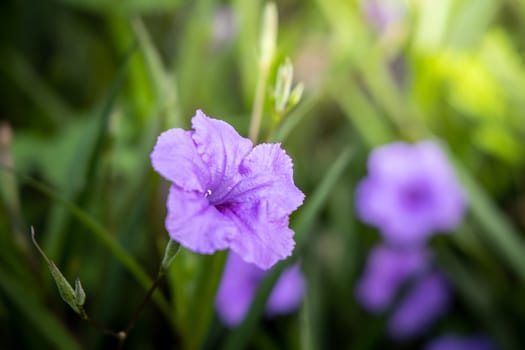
x,y
496,229
125,7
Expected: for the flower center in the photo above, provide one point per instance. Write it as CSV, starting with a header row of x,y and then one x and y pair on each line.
x,y
416,196
207,193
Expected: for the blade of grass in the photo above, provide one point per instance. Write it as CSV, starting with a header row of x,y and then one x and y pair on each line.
x,y
238,339
364,116
48,326
477,297
163,80
294,118
204,299
496,229
17,67
103,236
85,165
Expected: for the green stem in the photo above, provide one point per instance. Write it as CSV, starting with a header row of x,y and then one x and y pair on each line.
x,y
258,103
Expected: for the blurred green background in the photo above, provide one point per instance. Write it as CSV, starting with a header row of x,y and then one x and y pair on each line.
x,y
87,85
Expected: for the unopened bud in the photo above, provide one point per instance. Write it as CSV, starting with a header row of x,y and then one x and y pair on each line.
x,y
75,298
283,85
171,251
80,295
268,34
296,95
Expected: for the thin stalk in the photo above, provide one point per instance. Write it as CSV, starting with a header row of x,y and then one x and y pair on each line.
x,y
258,103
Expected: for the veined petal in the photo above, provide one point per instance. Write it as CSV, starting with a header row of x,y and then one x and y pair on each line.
x,y
267,175
196,224
175,157
261,240
222,149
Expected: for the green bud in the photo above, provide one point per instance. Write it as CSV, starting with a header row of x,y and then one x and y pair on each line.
x,y
75,298
80,295
64,288
171,251
296,95
268,34
283,85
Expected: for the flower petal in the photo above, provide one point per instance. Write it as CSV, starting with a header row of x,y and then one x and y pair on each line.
x,y
427,301
387,269
222,149
288,292
261,240
175,157
196,224
238,286
267,175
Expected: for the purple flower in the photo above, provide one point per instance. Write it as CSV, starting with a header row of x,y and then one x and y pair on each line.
x,y
239,284
227,193
424,303
455,342
387,269
383,14
410,192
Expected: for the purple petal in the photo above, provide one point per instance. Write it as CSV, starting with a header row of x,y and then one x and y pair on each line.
x,y
427,301
268,175
261,239
239,284
222,150
197,225
287,293
456,342
175,157
387,269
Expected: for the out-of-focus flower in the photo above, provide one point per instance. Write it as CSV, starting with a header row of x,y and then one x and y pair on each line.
x,y
425,302
383,14
227,193
387,269
239,284
456,342
223,27
410,192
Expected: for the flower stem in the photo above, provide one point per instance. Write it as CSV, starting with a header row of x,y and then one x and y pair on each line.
x,y
258,103
267,44
142,305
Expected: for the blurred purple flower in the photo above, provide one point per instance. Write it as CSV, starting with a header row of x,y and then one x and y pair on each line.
x,y
384,13
387,269
425,302
227,193
455,342
239,284
410,192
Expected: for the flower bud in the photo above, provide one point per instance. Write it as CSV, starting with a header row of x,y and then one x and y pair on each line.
x,y
283,85
75,298
171,251
268,34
